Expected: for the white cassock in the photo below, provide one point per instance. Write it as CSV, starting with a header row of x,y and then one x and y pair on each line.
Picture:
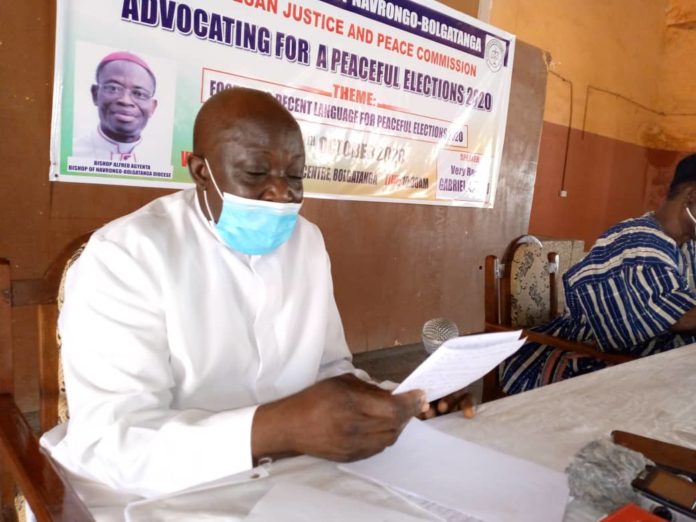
x,y
95,145
171,340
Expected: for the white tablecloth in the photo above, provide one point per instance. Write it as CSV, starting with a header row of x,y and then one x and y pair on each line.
x,y
654,396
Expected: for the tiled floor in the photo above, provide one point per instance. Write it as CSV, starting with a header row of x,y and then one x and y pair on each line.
x,y
393,363
34,420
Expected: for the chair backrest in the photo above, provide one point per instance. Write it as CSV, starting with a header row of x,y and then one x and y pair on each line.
x,y
24,467
524,289
569,251
58,413
44,294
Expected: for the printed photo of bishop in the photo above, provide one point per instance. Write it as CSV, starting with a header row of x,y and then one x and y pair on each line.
x,y
123,92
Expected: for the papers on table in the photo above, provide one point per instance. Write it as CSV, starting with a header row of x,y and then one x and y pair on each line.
x,y
292,502
459,362
441,512
465,477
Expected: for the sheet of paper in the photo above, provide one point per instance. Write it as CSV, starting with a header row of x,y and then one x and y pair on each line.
x,y
443,513
466,477
292,502
459,362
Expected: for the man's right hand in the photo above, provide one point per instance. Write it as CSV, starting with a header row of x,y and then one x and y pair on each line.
x,y
342,418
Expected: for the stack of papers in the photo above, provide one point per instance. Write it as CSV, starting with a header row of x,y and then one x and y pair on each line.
x,y
298,503
467,478
454,478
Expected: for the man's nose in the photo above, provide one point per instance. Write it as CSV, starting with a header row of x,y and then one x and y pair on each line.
x,y
278,190
126,97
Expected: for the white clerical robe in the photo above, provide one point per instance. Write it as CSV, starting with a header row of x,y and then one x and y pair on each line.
x,y
171,340
95,145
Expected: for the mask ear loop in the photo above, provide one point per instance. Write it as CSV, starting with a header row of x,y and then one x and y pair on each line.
x,y
205,192
690,214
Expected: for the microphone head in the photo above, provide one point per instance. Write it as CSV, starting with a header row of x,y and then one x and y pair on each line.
x,y
601,474
437,331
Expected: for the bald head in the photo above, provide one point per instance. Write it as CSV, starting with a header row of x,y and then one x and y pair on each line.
x,y
250,146
221,115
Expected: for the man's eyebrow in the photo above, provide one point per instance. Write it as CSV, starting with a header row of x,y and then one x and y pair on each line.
x,y
264,151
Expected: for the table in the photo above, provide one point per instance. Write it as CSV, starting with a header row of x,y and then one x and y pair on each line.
x,y
654,396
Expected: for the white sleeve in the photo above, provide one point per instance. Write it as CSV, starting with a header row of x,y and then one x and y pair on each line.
x,y
123,430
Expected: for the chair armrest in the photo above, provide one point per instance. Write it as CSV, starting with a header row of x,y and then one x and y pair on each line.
x,y
51,497
564,344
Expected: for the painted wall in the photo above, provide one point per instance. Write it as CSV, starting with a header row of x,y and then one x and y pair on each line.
x,y
620,76
676,127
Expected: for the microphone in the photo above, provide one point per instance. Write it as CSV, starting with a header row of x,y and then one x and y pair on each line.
x,y
601,474
437,331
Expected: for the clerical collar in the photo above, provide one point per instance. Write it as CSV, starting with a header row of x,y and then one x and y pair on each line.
x,y
121,147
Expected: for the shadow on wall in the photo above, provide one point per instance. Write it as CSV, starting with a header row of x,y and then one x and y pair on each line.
x,y
660,169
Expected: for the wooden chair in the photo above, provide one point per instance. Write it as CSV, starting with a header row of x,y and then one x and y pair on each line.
x,y
24,466
507,281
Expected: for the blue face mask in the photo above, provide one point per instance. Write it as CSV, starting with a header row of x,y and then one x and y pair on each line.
x,y
252,226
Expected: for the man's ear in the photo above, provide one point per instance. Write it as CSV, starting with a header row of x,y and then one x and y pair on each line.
x,y
690,193
94,90
198,171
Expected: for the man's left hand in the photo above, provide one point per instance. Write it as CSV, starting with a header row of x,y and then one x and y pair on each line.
x,y
457,401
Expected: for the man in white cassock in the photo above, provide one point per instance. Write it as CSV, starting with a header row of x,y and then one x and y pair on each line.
x,y
200,333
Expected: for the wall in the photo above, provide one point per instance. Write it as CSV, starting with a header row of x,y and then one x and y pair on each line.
x,y
619,109
394,265
676,125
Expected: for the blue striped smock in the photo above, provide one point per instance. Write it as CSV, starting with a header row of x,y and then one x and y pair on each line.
x,y
632,286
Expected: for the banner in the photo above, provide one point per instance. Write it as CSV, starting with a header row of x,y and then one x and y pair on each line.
x,y
398,101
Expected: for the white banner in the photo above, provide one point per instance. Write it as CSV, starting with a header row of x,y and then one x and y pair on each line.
x,y
398,101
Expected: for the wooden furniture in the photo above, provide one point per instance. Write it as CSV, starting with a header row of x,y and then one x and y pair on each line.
x,y
24,466
503,289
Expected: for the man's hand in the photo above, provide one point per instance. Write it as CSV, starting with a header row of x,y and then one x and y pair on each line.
x,y
459,400
341,419
686,323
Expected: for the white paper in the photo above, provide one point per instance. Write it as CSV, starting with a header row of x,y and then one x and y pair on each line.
x,y
466,477
292,502
443,513
459,362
